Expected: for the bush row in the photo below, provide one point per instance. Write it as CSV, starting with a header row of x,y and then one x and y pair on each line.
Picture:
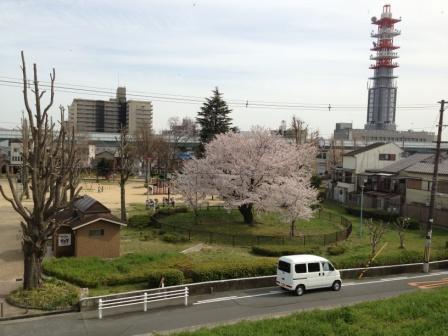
x,y
94,272
219,271
372,213
279,250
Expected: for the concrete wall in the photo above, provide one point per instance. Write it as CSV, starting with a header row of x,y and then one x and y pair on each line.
x,y
106,246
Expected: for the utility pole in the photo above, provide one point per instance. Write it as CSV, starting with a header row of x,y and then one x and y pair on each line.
x,y
433,191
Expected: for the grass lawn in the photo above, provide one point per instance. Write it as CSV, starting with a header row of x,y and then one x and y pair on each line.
x,y
421,313
219,220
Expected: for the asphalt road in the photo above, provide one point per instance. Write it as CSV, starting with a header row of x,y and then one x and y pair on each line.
x,y
219,308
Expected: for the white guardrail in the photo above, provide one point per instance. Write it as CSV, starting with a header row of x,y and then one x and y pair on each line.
x,y
143,299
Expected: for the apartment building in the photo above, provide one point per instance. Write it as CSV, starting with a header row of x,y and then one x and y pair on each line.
x,y
108,116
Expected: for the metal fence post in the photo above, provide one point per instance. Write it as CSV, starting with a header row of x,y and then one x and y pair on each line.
x,y
100,309
145,302
1,309
186,296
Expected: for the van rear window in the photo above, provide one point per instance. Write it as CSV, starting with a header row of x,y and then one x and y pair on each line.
x,y
284,266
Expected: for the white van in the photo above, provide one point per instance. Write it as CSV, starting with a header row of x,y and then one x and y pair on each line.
x,y
304,271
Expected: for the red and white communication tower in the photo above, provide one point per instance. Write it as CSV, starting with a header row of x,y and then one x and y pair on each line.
x,y
383,90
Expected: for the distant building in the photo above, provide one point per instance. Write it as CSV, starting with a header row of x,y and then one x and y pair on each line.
x,y
344,131
108,116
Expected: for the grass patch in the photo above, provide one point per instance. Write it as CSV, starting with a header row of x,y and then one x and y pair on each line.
x,y
221,221
52,295
421,313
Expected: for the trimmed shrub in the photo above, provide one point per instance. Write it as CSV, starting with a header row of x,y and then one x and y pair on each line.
x,y
219,271
280,250
334,250
172,277
372,213
413,224
174,238
52,295
139,221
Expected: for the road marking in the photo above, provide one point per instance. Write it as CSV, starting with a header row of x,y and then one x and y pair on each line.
x,y
430,284
228,298
391,279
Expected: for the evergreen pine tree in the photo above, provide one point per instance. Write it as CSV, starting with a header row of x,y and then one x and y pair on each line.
x,y
213,118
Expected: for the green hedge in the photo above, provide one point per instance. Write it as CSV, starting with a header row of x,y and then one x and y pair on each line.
x,y
398,257
174,238
52,295
372,213
139,221
280,250
129,269
219,271
334,250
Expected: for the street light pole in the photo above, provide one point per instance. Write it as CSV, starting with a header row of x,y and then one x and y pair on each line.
x,y
362,199
430,221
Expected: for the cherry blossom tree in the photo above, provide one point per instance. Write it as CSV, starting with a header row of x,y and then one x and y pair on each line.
x,y
192,184
259,170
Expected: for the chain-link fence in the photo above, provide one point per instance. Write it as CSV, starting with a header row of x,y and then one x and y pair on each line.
x,y
251,240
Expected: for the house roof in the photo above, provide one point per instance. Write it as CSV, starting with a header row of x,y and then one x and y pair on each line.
x,y
89,205
86,210
403,163
364,149
427,167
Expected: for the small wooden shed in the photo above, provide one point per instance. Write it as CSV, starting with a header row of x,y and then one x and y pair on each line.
x,y
87,229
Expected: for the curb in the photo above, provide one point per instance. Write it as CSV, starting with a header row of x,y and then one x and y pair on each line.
x,y
49,313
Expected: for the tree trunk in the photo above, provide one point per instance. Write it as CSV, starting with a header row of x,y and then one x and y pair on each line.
x,y
33,256
293,228
246,211
123,201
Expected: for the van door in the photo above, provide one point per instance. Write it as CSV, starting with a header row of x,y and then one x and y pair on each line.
x,y
329,274
314,275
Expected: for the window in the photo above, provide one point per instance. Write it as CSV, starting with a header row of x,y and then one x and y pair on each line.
x,y
327,267
442,187
313,267
284,266
96,232
300,268
414,184
387,157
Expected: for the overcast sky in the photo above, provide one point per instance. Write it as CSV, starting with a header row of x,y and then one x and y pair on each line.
x,y
298,51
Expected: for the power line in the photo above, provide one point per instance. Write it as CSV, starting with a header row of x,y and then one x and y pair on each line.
x,y
185,99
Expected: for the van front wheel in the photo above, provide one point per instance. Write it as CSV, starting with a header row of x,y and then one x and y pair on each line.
x,y
336,286
300,289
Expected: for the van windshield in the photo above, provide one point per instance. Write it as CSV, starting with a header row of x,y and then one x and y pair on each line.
x,y
284,266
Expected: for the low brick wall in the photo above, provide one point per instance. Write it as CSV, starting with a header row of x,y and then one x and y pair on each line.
x,y
267,281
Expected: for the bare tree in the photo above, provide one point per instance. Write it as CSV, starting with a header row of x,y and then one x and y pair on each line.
x,y
25,152
401,224
299,130
179,132
49,167
334,156
145,144
376,232
126,156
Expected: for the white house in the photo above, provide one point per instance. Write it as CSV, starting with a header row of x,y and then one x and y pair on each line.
x,y
374,156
